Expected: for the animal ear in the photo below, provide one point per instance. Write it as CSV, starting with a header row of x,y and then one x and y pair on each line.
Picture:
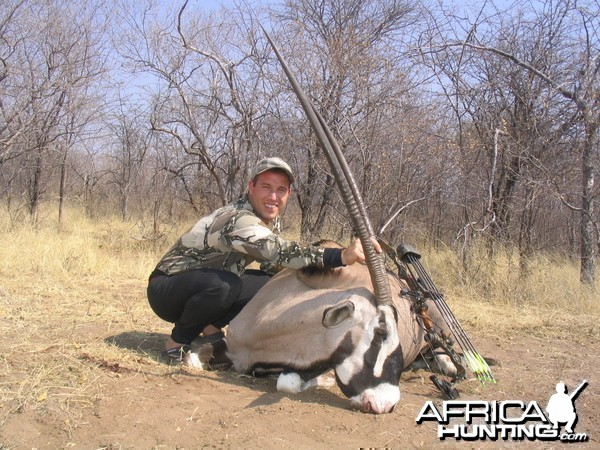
x,y
335,315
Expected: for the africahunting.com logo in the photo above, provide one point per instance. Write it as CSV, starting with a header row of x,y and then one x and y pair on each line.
x,y
472,420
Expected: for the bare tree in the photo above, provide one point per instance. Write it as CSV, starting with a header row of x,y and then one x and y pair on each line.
x,y
210,99
49,69
341,53
563,58
128,155
583,75
11,37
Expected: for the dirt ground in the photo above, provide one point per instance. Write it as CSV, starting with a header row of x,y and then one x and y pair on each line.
x,y
150,408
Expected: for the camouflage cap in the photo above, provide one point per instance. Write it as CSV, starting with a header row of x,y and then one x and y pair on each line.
x,y
273,163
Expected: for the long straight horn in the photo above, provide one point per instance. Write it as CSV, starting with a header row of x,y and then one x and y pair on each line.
x,y
346,184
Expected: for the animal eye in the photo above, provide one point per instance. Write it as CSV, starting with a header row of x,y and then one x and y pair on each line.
x,y
381,331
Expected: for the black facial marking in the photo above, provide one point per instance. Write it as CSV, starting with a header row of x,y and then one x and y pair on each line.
x,y
365,379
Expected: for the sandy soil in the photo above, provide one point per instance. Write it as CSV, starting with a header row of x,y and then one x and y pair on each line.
x,y
144,406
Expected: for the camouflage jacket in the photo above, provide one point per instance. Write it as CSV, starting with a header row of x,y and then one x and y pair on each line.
x,y
231,238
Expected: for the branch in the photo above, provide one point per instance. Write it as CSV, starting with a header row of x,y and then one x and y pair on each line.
x,y
222,64
393,216
571,95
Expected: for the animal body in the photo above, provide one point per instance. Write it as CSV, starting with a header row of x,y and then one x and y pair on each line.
x,y
304,323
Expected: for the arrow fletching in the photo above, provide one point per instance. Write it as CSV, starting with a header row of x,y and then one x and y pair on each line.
x,y
478,366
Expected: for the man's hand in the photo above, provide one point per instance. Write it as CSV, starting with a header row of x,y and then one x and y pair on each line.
x,y
355,252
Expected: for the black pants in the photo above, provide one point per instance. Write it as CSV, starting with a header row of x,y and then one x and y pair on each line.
x,y
192,300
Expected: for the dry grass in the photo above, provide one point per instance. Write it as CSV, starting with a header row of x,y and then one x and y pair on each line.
x,y
72,300
64,294
494,294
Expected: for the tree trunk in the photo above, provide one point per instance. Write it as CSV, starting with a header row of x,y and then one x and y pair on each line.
x,y
588,263
35,188
62,186
525,233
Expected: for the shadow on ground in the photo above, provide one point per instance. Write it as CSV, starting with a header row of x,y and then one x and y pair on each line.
x,y
142,342
150,345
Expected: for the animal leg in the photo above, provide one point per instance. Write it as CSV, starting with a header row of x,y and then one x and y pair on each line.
x,y
292,383
289,382
445,365
324,380
436,362
208,356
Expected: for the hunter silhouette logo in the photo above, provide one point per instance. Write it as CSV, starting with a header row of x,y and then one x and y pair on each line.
x,y
561,406
472,420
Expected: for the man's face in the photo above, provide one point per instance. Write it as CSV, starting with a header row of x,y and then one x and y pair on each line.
x,y
269,195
